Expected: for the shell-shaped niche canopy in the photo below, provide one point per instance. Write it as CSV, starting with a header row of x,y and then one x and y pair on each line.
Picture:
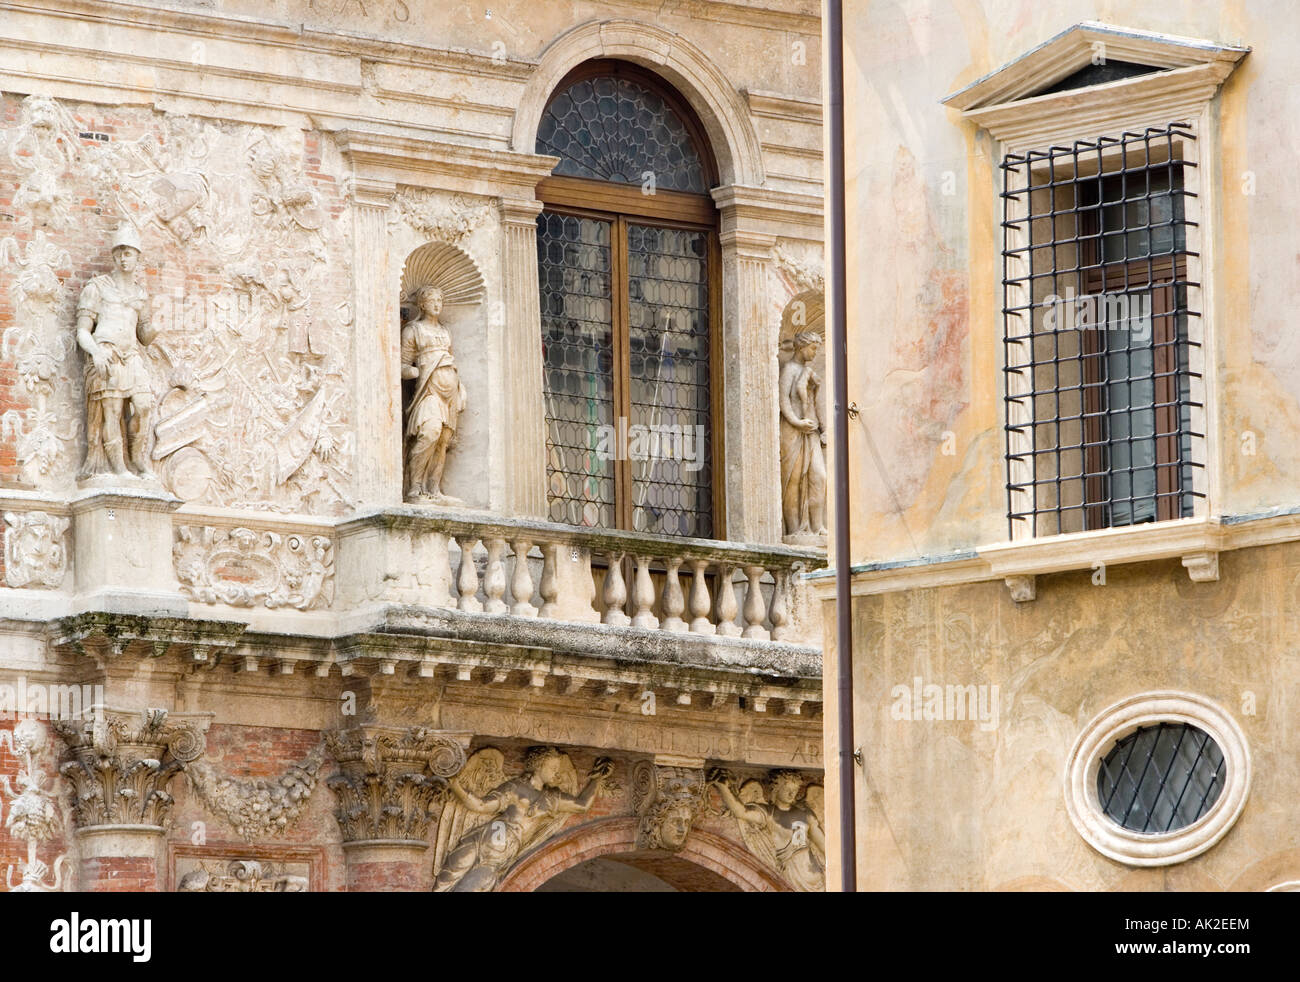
x,y
805,312
448,268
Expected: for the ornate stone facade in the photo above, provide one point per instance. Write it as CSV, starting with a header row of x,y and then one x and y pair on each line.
x,y
273,456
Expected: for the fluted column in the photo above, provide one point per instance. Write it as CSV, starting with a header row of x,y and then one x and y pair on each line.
x,y
390,781
376,356
119,764
525,449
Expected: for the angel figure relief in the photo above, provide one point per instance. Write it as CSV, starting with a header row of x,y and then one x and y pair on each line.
x,y
779,825
491,820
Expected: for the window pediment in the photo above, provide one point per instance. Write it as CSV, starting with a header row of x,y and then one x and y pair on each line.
x,y
1077,59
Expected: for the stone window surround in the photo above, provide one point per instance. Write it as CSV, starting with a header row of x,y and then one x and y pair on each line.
x,y
1002,104
752,218
1118,721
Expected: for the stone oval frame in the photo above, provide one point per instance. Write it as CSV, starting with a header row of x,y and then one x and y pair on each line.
x,y
1117,722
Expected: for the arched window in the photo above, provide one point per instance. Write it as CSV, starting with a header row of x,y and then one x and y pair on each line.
x,y
628,274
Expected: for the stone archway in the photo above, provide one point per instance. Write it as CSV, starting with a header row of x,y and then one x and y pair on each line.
x,y
707,862
717,102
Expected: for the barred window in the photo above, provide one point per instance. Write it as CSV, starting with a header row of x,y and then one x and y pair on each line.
x,y
627,259
1161,778
1102,349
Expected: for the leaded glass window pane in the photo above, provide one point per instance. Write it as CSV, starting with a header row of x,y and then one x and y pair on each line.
x,y
577,350
615,129
669,342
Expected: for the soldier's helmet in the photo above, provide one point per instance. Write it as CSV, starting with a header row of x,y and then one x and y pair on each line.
x,y
126,235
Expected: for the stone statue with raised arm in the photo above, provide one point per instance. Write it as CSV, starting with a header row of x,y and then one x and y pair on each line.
x,y
491,821
781,826
112,328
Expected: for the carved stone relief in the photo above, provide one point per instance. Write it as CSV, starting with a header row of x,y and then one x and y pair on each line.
x,y
263,807
437,219
390,780
34,815
36,552
780,822
247,568
43,148
667,800
806,274
491,820
121,763
40,350
239,225
243,876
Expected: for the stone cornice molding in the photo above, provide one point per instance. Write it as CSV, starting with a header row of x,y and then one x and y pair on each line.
x,y
720,106
766,210
793,109
387,157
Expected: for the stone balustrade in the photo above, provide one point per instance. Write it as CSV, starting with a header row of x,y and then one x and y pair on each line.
x,y
542,570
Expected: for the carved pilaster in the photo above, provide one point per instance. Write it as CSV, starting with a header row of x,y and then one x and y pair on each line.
x,y
752,332
525,450
375,347
667,799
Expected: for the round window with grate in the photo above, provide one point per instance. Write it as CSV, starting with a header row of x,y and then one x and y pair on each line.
x,y
1161,778
1157,778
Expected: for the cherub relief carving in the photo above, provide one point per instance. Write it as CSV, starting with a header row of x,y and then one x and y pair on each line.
x,y
781,826
491,820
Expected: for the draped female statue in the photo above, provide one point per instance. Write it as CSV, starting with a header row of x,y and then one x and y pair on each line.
x,y
438,401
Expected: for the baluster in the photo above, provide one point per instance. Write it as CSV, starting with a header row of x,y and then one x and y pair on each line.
x,y
674,602
779,612
494,578
521,582
726,603
755,607
467,580
550,585
700,599
643,596
615,593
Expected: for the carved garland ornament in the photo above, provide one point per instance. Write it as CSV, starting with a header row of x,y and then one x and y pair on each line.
x,y
262,807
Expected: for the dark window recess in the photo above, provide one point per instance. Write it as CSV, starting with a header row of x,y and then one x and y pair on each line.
x,y
1110,71
1161,778
1101,352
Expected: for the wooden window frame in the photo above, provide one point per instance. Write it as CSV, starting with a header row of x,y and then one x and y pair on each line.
x,y
1160,275
622,205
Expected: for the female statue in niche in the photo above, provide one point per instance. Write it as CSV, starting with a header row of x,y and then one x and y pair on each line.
x,y
438,400
803,461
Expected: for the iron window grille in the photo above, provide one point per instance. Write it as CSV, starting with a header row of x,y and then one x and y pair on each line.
x,y
1161,778
1103,361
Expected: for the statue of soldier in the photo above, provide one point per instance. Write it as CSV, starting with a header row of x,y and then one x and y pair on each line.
x,y
112,327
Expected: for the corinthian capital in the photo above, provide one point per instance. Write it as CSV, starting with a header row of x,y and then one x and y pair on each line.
x,y
391,779
121,761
